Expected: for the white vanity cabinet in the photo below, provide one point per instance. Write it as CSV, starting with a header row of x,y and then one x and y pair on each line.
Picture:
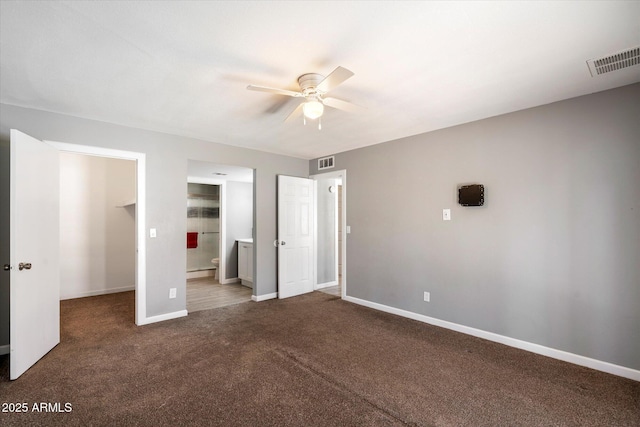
x,y
245,261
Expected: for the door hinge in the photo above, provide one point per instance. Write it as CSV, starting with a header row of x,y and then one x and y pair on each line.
x,y
7,267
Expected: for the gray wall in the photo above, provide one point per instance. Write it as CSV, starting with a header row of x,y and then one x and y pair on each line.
x,y
166,158
553,257
239,221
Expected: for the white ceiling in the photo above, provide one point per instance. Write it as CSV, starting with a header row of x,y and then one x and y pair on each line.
x,y
183,67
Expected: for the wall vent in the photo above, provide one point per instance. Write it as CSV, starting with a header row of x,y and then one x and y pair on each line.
x,y
617,61
326,162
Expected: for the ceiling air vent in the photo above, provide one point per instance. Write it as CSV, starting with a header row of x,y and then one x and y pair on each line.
x,y
326,162
617,61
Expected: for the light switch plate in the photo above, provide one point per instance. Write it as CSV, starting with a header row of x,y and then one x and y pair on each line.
x,y
172,292
152,232
446,214
348,229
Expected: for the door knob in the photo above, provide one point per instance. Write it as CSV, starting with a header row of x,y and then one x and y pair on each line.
x,y
24,266
7,267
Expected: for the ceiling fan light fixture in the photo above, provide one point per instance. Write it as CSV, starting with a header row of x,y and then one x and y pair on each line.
x,y
313,88
312,109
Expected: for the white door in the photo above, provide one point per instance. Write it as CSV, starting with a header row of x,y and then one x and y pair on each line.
x,y
295,235
34,259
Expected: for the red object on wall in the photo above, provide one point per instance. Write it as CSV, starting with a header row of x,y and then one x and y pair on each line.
x,y
192,240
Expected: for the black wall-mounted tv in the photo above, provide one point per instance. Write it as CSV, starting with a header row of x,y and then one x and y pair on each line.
x,y
471,195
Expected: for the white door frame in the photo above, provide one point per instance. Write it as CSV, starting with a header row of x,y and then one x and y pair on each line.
x,y
342,174
222,251
141,250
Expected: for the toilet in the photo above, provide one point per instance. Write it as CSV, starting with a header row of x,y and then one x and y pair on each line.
x,y
216,264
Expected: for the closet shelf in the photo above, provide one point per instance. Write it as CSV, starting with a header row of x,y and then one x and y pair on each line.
x,y
125,203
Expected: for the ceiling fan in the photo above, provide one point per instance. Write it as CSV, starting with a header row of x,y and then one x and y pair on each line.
x,y
313,88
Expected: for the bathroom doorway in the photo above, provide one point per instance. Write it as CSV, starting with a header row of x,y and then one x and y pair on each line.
x,y
220,215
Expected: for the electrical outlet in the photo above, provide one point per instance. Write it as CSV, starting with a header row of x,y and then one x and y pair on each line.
x,y
172,293
446,214
427,296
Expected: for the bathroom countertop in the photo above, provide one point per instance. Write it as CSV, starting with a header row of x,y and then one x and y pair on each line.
x,y
245,240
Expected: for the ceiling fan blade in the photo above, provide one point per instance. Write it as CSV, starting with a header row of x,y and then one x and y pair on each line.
x,y
273,90
336,77
279,103
341,105
295,113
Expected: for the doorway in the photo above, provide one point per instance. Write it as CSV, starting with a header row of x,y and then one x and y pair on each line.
x,y
97,225
35,234
224,197
135,205
331,231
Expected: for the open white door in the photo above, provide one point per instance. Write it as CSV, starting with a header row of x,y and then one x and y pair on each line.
x,y
35,258
295,235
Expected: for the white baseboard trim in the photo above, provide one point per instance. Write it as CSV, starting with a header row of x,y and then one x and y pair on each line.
x,y
576,359
258,298
97,292
201,273
5,349
163,317
326,285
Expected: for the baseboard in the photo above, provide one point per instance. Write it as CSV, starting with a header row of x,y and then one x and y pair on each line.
x,y
201,273
98,292
5,349
163,317
258,298
326,285
576,359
